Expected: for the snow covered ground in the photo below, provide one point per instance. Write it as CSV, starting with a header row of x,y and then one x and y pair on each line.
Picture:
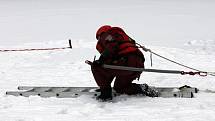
x,y
180,30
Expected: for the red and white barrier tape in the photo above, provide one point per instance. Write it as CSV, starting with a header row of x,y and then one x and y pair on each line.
x,y
38,49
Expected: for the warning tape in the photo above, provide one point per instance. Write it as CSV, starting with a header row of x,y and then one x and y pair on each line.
x,y
38,49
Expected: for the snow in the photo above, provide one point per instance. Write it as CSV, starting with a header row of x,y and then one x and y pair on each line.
x,y
179,30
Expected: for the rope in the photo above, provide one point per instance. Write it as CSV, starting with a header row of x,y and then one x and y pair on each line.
x,y
38,49
199,71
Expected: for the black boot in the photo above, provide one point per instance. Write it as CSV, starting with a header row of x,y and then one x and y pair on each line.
x,y
106,94
148,91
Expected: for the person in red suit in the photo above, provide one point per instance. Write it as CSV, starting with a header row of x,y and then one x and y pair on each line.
x,y
117,48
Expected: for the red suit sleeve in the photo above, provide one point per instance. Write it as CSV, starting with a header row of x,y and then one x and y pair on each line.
x,y
107,46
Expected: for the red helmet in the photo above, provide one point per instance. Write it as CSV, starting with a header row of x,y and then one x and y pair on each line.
x,y
102,29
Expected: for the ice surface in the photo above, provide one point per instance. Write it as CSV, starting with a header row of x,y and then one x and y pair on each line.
x,y
180,30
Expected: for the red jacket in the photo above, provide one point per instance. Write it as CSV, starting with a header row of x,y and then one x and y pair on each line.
x,y
116,43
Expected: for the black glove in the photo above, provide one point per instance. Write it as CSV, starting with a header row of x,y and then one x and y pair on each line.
x,y
97,63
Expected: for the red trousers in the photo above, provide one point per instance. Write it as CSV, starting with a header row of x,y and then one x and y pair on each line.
x,y
123,79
